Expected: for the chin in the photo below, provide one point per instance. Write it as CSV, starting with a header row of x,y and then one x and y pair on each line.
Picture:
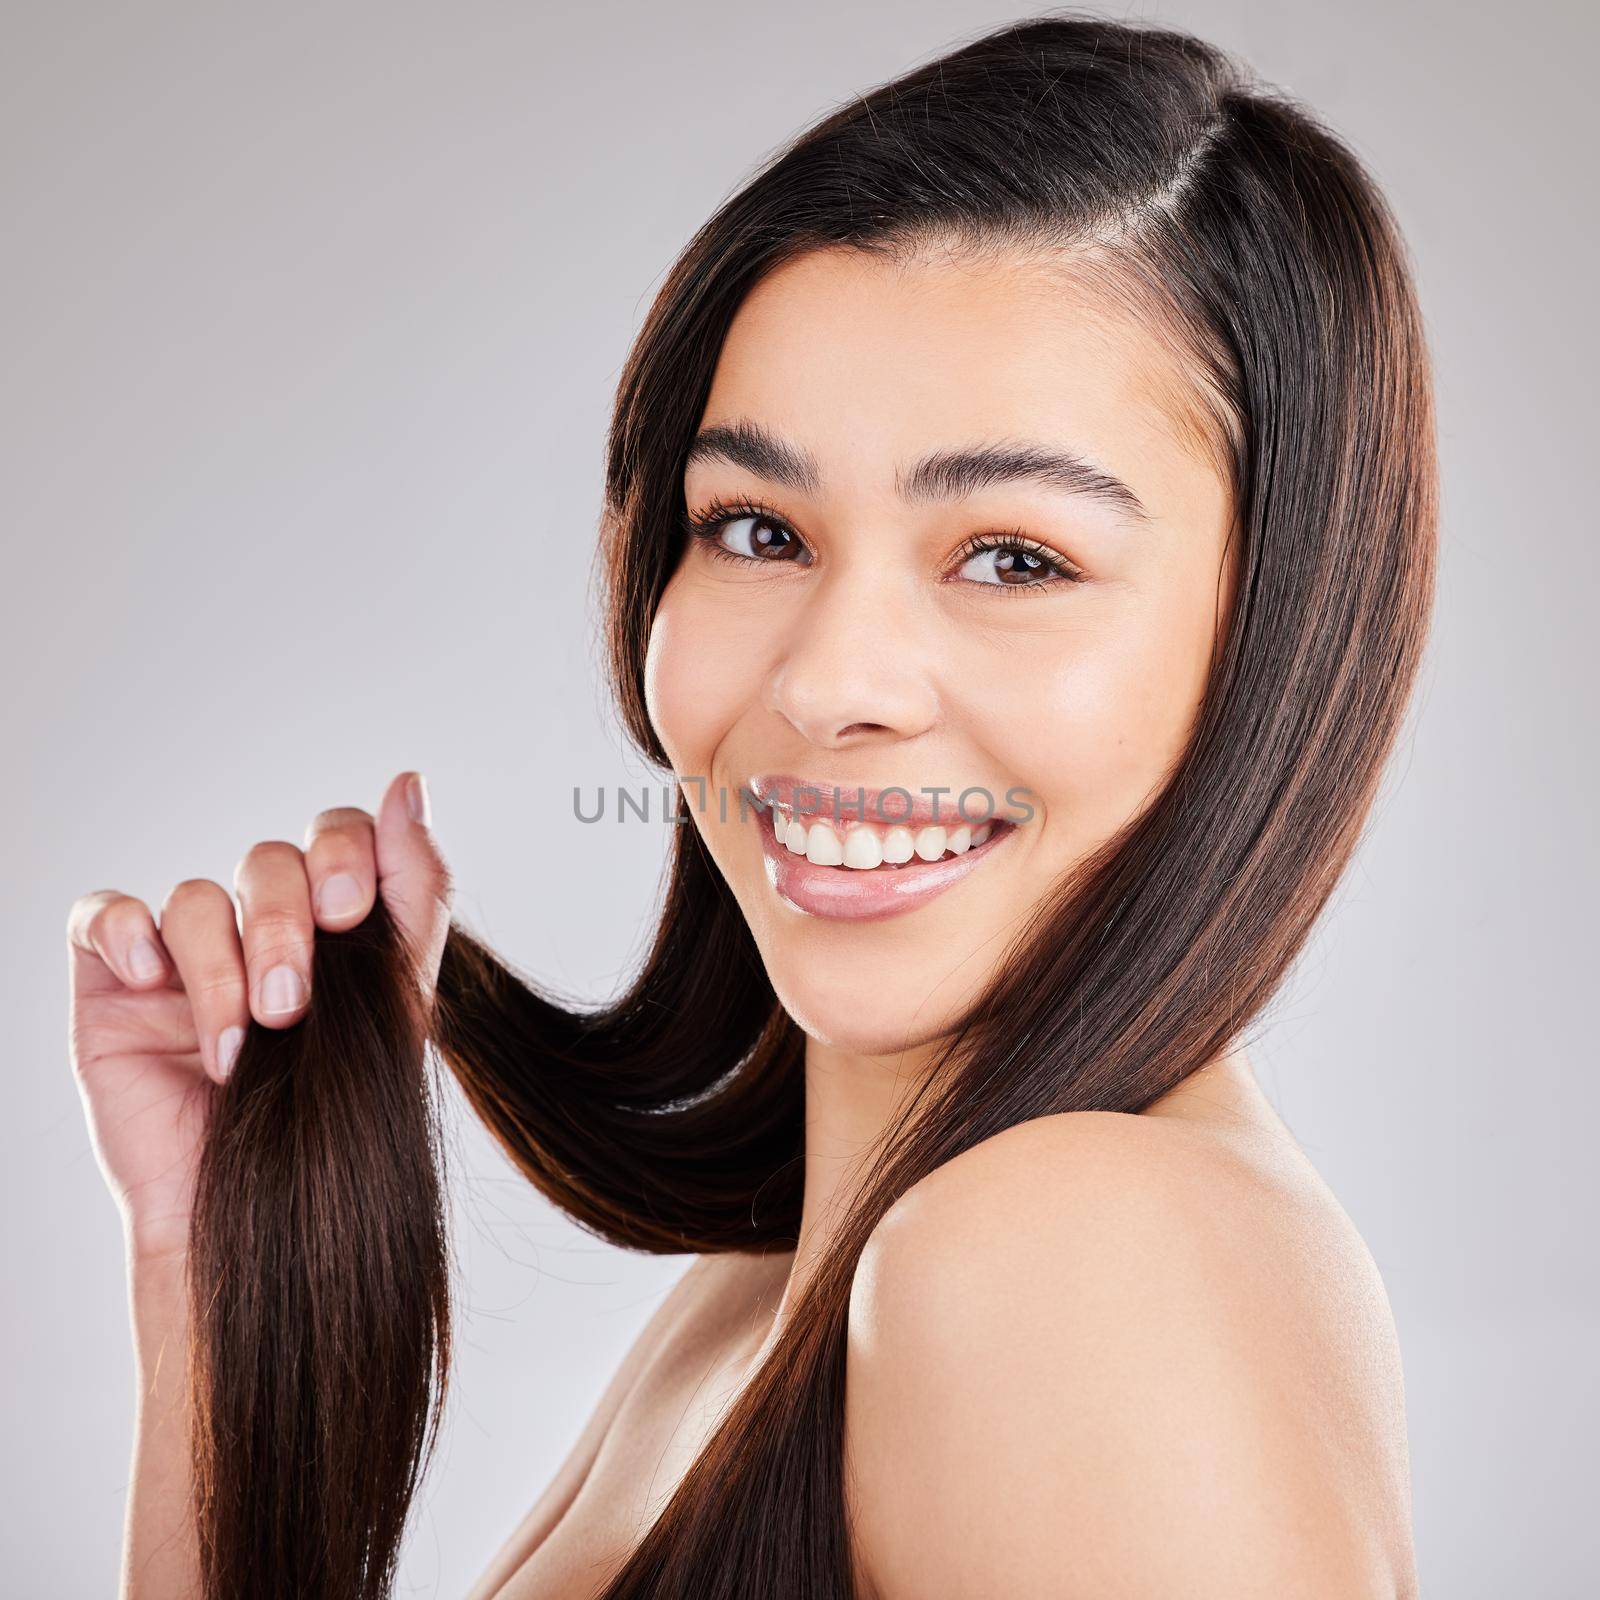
x,y
870,986
864,1004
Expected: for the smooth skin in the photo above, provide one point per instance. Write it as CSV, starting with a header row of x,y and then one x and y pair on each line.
x,y
1095,1355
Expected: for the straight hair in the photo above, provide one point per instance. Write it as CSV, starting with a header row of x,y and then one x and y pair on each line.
x,y
671,1120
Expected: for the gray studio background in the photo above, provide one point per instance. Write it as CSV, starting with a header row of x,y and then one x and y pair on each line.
x,y
309,323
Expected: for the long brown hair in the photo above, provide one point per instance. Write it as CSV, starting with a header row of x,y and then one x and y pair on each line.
x,y
671,1120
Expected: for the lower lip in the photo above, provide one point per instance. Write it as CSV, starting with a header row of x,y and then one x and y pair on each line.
x,y
864,895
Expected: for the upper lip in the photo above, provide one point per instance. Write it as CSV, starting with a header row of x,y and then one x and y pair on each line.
x,y
834,800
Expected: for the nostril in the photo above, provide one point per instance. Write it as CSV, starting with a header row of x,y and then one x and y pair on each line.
x,y
862,727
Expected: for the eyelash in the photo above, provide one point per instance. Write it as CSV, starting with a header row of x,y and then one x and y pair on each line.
x,y
706,524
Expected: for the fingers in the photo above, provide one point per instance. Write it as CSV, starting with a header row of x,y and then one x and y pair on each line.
x,y
202,934
413,878
341,867
258,963
278,930
114,944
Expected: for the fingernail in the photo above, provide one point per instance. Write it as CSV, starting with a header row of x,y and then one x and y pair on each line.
x,y
144,960
228,1042
417,800
339,896
283,989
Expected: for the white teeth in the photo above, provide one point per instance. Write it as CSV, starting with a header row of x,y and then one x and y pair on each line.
x,y
862,848
899,846
822,846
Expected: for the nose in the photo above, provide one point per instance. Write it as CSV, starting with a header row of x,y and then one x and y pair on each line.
x,y
856,665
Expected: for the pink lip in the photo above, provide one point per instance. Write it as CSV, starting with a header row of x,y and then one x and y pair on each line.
x,y
865,896
846,803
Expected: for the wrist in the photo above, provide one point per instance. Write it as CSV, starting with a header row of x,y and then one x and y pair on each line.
x,y
155,1244
158,1271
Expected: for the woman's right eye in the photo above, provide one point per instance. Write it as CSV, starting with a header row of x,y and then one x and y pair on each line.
x,y
747,535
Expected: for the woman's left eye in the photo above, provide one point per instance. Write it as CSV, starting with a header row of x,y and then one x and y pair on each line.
x,y
1013,564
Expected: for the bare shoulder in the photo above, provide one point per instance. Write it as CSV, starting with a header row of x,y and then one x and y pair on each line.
x,y
710,1301
1144,1354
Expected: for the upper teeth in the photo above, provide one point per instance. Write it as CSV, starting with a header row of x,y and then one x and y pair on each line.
x,y
868,844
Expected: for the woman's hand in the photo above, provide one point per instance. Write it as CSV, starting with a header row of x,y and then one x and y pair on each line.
x,y
158,1013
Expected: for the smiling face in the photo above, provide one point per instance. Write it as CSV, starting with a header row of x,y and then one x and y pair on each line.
x,y
956,531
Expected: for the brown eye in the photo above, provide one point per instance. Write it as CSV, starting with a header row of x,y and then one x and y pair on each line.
x,y
759,539
1012,566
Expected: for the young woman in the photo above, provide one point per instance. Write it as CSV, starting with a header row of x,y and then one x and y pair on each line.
x,y
1046,437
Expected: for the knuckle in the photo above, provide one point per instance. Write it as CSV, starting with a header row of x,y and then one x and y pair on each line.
x,y
191,892
265,852
277,953
120,918
83,911
278,922
90,1035
83,902
226,983
276,932
337,819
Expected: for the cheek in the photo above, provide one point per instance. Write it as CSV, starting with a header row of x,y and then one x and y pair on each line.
x,y
695,685
1112,704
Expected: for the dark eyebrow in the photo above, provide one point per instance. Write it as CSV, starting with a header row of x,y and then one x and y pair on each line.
x,y
944,475
749,445
950,474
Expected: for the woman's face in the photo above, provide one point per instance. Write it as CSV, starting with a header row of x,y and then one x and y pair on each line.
x,y
962,546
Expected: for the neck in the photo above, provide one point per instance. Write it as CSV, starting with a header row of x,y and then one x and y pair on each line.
x,y
850,1100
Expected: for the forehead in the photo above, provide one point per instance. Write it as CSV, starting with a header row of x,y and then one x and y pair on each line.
x,y
869,362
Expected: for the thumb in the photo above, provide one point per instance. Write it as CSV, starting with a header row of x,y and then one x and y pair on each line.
x,y
416,885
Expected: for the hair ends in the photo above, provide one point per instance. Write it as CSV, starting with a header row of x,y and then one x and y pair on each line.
x,y
319,1287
